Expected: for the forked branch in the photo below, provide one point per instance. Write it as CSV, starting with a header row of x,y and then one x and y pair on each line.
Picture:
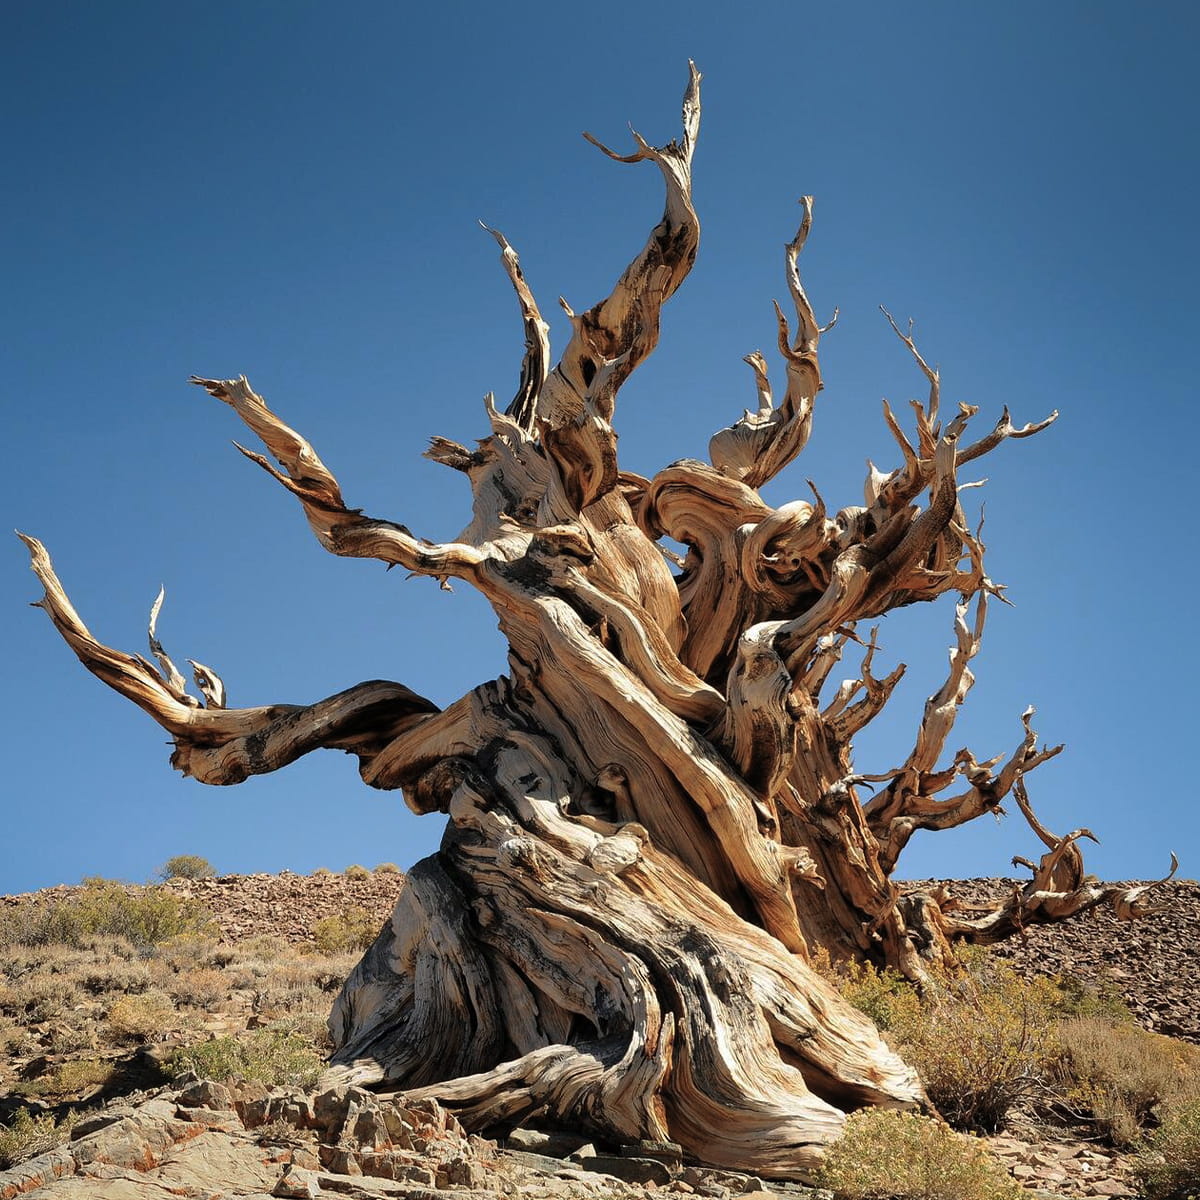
x,y
226,745
339,529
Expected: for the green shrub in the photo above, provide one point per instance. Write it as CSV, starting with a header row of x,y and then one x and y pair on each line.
x,y
101,908
886,1155
354,871
275,1055
351,929
187,866
29,1136
1168,1166
1120,1076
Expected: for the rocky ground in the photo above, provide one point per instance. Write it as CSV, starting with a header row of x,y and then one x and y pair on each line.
x,y
198,1139
1153,964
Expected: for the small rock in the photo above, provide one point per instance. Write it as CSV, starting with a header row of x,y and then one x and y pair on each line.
x,y
211,1118
206,1094
536,1141
297,1183
670,1153
631,1170
1108,1187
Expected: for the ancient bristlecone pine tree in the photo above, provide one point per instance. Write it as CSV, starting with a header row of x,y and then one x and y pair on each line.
x,y
654,817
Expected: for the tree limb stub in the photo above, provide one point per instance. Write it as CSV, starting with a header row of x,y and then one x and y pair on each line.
x,y
655,817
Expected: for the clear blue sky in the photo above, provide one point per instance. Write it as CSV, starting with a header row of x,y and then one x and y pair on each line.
x,y
290,190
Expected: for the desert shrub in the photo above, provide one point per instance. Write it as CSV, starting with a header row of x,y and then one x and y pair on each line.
x,y
978,1038
102,978
265,947
66,1039
203,988
39,997
144,917
81,1074
299,989
192,950
387,869
322,871
351,929
886,1155
187,866
1168,1165
28,1136
354,871
884,995
15,1039
276,1055
1120,1076
979,1046
142,1015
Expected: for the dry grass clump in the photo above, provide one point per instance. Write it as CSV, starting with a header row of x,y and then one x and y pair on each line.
x,y
205,988
351,929
299,990
354,871
1120,1077
386,869
886,1155
141,1016
39,997
144,917
187,951
68,1038
109,973
15,1038
28,1136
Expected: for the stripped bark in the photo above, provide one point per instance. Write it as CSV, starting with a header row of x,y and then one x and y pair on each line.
x,y
654,817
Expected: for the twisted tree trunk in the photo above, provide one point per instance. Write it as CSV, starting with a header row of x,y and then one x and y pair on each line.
x,y
654,818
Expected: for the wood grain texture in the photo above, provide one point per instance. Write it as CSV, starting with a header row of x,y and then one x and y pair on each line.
x,y
654,817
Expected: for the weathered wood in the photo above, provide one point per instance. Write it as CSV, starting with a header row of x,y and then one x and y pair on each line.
x,y
654,817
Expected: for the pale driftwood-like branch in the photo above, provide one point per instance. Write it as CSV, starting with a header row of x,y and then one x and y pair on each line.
x,y
762,443
908,803
171,675
535,365
219,745
339,529
1058,890
608,341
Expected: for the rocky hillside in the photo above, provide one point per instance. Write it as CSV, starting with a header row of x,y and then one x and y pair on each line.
x,y
84,1029
1153,964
